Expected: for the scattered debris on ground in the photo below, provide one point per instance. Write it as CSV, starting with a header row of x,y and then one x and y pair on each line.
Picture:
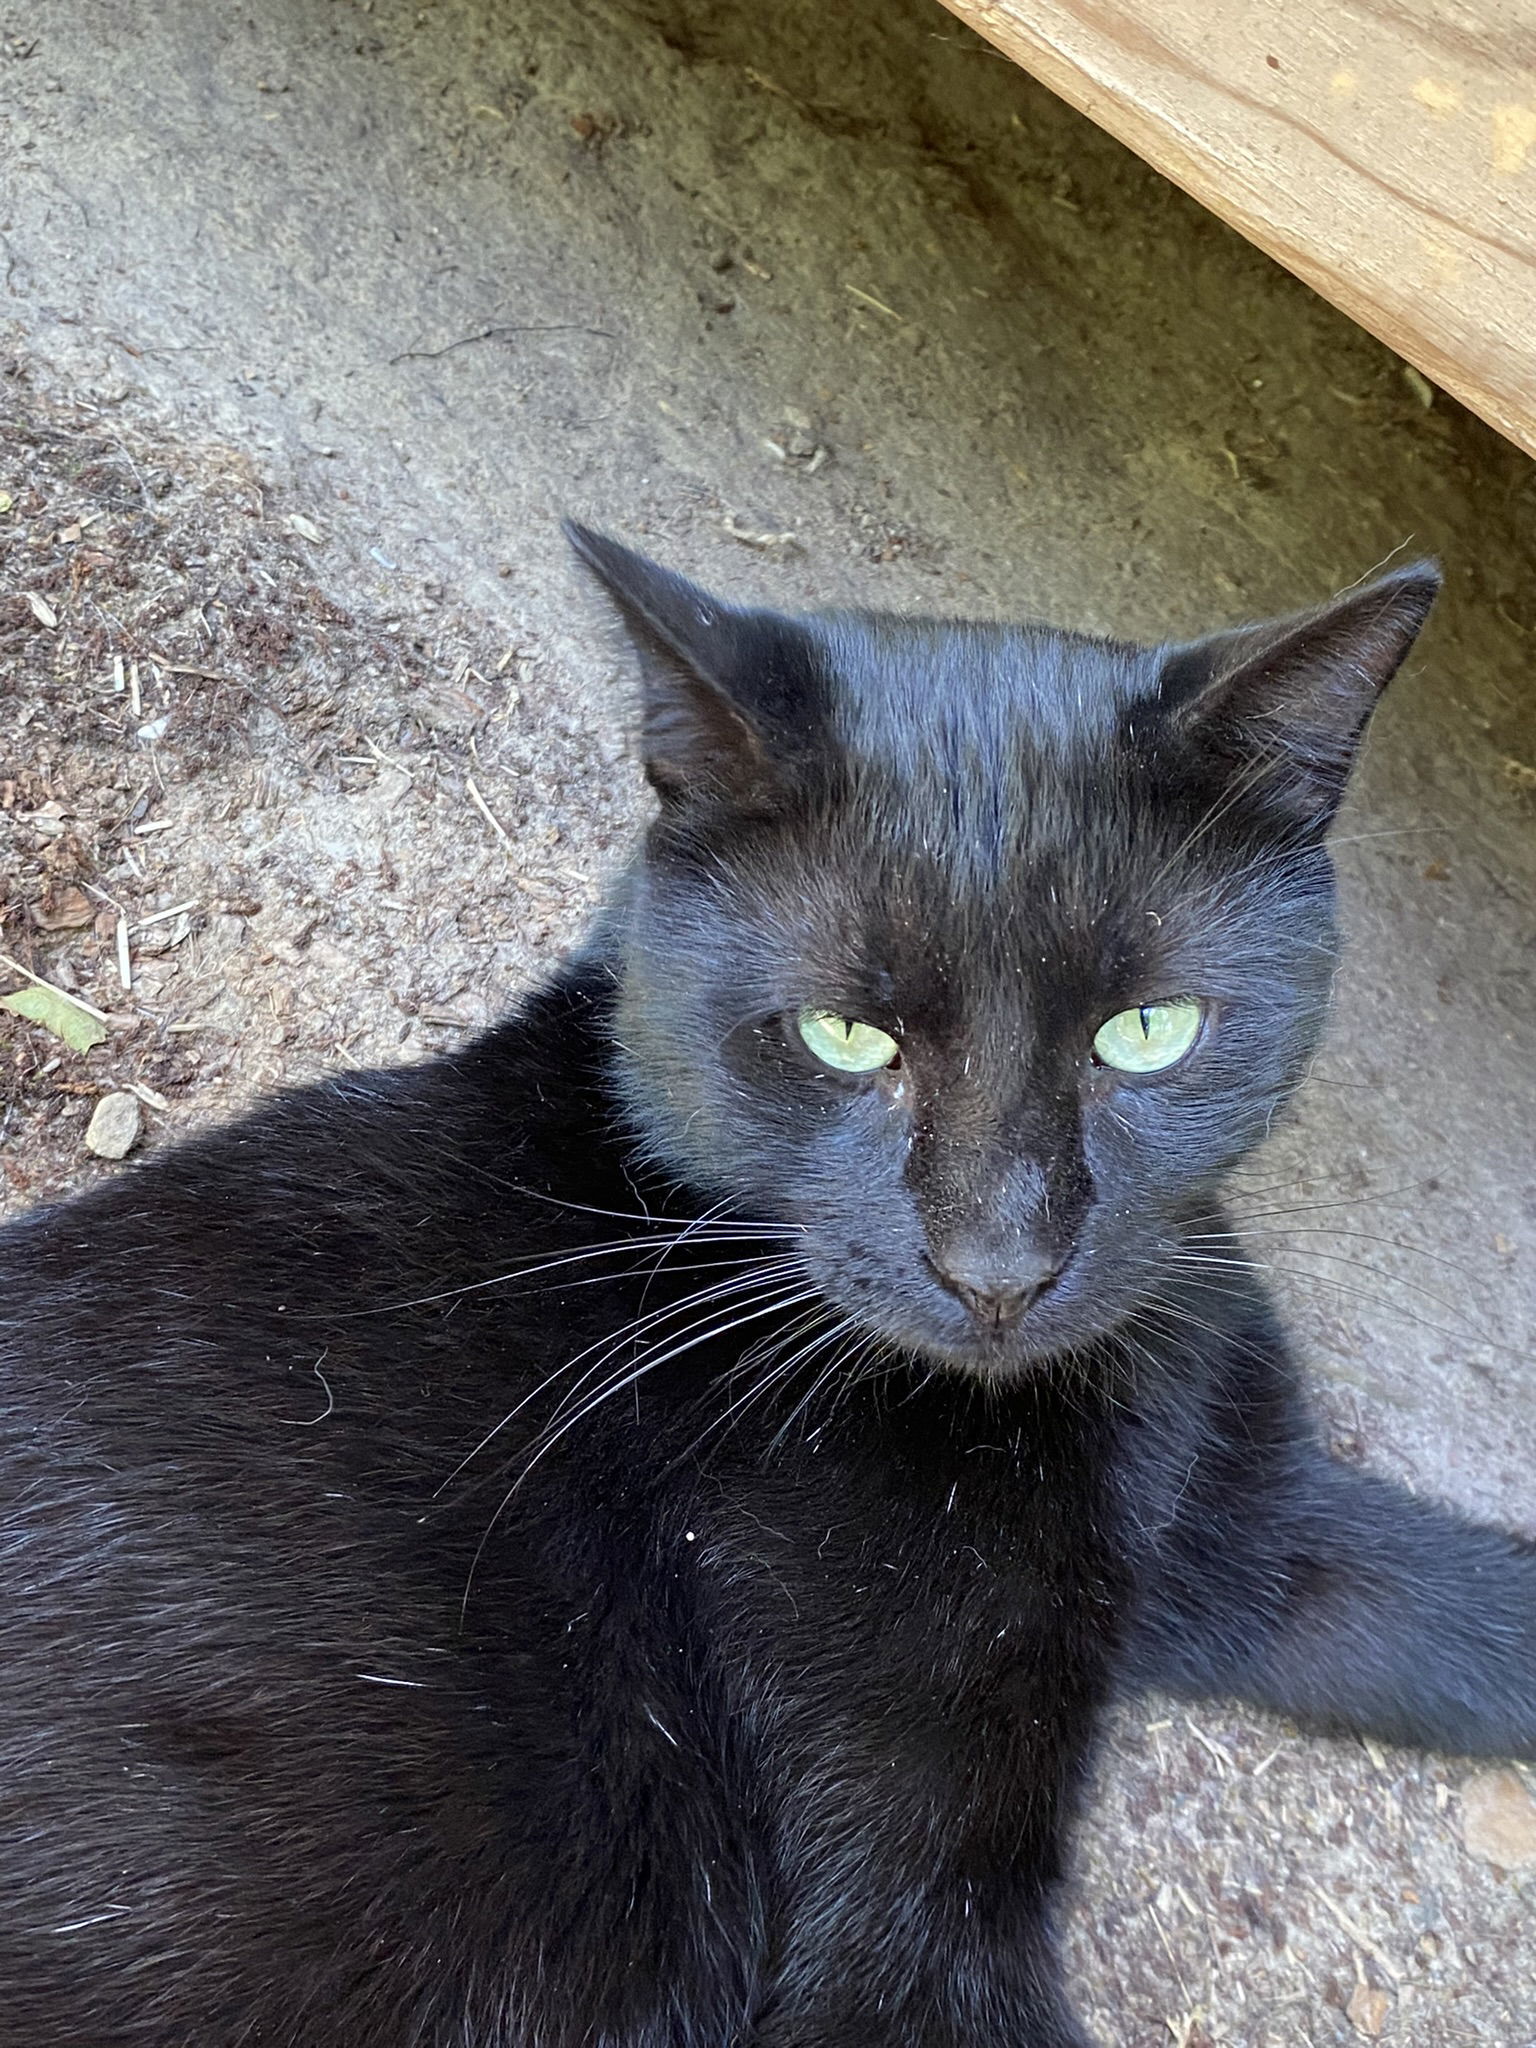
x,y
212,777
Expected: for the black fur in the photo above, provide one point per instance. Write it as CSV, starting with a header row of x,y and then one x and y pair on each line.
x,y
534,1550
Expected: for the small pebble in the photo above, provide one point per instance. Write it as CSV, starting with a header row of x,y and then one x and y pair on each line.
x,y
1498,1820
114,1127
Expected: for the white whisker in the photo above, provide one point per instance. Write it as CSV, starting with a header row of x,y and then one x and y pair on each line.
x,y
755,1274
710,1331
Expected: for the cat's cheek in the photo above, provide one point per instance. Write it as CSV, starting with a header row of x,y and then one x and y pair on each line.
x,y
1152,1141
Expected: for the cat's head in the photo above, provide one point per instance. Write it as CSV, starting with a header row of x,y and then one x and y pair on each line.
x,y
981,952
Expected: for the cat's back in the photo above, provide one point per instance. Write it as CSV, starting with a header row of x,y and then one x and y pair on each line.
x,y
321,1171
234,1688
223,1359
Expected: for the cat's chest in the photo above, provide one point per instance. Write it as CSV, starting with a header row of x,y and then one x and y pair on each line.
x,y
954,1589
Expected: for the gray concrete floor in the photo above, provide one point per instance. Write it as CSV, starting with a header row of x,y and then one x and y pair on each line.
x,y
425,277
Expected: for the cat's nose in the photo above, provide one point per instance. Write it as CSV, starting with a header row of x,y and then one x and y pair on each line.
x,y
996,1291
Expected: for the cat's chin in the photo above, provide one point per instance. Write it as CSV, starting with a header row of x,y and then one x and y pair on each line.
x,y
995,1359
1040,1338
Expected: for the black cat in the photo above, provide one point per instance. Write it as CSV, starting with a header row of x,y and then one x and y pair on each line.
x,y
618,1537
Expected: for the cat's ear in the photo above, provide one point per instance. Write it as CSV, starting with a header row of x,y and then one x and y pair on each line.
x,y
728,693
1285,703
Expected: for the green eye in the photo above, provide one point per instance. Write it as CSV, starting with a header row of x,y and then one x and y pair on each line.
x,y
840,1042
1149,1038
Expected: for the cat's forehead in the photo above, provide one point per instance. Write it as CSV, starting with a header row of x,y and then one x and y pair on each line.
x,y
994,942
967,751
1000,827
933,698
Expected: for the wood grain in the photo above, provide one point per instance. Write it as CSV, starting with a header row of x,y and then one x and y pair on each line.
x,y
1383,150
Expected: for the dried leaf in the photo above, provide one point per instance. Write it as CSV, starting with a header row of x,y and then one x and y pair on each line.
x,y
306,529
56,1013
6,501
42,610
1369,2009
63,909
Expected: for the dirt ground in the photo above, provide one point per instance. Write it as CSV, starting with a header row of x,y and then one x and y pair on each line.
x,y
314,321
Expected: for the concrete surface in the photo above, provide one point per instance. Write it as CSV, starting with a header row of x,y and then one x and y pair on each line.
x,y
314,319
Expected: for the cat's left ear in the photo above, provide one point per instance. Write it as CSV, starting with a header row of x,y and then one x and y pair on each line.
x,y
732,697
1285,703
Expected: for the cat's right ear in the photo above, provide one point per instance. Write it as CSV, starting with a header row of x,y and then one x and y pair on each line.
x,y
728,693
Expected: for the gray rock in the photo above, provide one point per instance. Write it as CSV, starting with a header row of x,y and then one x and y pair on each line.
x,y
114,1127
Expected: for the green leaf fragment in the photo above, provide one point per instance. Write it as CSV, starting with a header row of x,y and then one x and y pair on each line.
x,y
56,1013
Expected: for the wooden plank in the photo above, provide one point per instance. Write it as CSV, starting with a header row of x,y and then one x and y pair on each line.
x,y
1384,150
